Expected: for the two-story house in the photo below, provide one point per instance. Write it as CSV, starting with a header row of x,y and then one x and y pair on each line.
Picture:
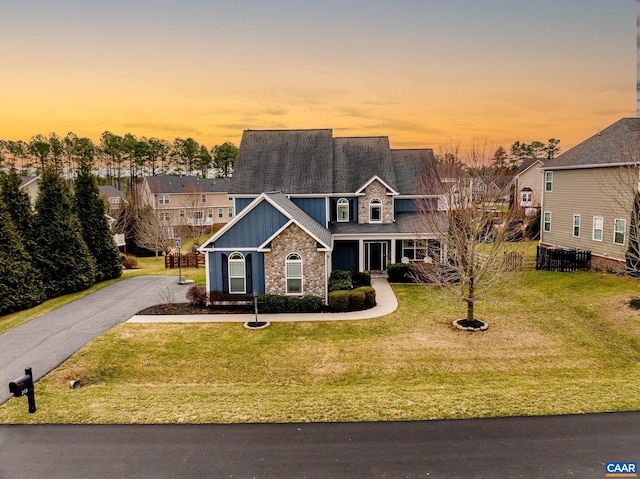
x,y
588,194
307,203
188,201
528,185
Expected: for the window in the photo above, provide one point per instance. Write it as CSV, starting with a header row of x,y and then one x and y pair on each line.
x,y
597,228
163,199
343,210
220,213
548,181
163,216
230,212
210,213
204,198
525,197
576,226
198,214
181,213
619,231
375,211
293,272
414,250
547,221
236,274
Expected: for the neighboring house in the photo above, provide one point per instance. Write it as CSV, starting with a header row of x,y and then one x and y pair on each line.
x,y
31,184
115,198
494,186
188,201
528,185
588,194
308,203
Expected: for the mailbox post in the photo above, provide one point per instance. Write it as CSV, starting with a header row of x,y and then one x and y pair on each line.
x,y
23,386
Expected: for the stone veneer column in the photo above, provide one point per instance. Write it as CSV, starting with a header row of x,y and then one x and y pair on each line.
x,y
375,190
295,240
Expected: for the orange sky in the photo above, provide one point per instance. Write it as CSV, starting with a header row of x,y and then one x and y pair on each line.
x,y
423,72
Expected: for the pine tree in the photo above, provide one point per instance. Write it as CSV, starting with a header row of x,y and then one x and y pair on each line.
x,y
91,212
633,251
20,285
18,204
61,253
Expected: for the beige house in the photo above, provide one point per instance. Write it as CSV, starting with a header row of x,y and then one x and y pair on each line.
x,y
31,185
528,185
588,195
188,201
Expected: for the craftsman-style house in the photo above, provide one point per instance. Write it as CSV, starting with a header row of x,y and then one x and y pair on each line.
x,y
308,203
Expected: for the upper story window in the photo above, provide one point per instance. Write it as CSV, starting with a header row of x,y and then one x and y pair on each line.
x,y
619,231
576,226
230,212
220,213
547,221
597,228
163,199
525,196
548,181
198,214
210,213
237,276
375,211
293,272
343,210
163,216
204,198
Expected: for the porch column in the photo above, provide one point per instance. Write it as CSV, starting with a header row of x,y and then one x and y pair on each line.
x,y
360,255
393,252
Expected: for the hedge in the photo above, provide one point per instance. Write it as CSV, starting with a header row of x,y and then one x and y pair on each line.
x,y
275,303
357,299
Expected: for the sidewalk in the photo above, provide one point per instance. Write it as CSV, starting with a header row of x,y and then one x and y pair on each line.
x,y
385,299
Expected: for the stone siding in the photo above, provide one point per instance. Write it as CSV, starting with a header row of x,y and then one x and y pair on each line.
x,y
375,190
295,240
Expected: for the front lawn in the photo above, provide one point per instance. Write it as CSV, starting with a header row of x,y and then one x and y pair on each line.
x,y
558,343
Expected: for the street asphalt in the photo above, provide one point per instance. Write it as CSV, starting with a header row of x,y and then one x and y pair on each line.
x,y
555,447
45,342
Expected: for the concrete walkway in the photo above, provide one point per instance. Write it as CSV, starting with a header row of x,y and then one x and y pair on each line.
x,y
385,299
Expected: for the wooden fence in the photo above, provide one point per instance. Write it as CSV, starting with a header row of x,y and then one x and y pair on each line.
x,y
560,259
187,260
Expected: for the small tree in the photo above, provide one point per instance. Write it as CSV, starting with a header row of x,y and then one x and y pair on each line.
x,y
473,228
224,158
633,250
18,204
151,233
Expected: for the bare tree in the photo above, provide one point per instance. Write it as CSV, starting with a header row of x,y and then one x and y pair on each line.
x,y
151,232
473,226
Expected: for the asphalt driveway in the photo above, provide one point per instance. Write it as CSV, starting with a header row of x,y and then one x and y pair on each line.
x,y
45,342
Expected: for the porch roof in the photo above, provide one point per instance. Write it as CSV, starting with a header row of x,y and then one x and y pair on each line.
x,y
409,224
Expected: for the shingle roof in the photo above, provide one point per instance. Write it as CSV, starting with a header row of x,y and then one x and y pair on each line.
x,y
616,144
313,162
187,184
293,161
527,163
412,167
111,192
294,212
405,223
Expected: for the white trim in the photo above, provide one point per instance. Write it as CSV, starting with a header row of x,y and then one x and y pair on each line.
x,y
263,246
341,203
545,190
624,231
378,203
544,221
391,192
286,275
579,225
244,272
594,229
590,166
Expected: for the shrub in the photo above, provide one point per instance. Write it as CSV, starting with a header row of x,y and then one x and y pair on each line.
x,y
399,272
311,304
339,300
356,300
340,280
369,296
197,295
275,303
359,278
130,262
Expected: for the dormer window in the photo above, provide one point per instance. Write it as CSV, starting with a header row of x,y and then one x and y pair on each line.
x,y
375,211
343,210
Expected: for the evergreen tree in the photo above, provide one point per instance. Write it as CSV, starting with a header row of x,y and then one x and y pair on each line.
x,y
62,255
18,204
633,251
91,212
20,285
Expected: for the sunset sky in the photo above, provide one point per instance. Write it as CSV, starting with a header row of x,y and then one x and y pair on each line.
x,y
423,72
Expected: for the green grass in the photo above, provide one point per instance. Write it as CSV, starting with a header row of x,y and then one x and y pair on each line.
x,y
557,344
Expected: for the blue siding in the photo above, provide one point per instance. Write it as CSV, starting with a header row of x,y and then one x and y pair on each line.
x,y
353,209
314,207
405,206
241,203
253,229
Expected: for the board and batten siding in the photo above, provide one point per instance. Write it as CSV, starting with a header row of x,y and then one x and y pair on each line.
x,y
589,192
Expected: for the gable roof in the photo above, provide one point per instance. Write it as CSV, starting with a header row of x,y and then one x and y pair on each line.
x,y
527,163
186,184
111,192
300,162
412,167
616,145
26,180
289,209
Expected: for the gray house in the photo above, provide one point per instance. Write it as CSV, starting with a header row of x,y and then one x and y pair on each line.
x,y
588,194
307,203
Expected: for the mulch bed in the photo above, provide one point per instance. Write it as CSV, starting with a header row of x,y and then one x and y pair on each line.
x,y
188,308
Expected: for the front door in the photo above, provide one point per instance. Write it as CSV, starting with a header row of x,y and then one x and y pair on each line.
x,y
375,255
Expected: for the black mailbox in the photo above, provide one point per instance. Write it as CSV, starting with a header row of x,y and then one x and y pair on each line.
x,y
21,386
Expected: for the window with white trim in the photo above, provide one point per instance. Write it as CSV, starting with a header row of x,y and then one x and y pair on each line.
x,y
163,199
237,275
619,231
164,216
548,181
210,213
597,228
181,213
414,250
230,212
220,215
293,273
198,214
375,211
576,226
204,198
547,221
343,210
